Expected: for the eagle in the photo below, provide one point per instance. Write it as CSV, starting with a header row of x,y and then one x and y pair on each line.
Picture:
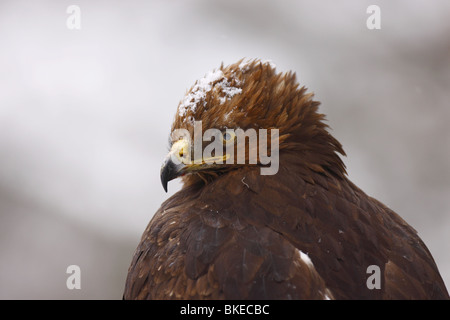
x,y
299,230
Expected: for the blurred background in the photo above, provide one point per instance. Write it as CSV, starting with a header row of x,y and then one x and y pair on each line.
x,y
85,115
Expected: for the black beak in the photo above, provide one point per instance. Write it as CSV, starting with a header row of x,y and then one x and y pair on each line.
x,y
170,171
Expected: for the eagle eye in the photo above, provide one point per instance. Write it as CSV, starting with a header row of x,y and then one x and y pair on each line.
x,y
228,137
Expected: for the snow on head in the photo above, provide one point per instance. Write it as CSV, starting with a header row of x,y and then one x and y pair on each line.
x,y
198,92
270,63
228,90
244,66
212,80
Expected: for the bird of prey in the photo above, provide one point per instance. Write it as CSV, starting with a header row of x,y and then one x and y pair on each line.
x,y
304,231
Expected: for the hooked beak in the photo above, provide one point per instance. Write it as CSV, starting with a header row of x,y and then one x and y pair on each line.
x,y
170,170
178,162
175,162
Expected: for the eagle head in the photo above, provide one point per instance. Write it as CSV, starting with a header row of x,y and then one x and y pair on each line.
x,y
225,117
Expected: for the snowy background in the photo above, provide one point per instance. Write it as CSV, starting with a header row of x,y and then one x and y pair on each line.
x,y
85,115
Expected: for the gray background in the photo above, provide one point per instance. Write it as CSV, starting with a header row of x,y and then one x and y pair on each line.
x,y
85,115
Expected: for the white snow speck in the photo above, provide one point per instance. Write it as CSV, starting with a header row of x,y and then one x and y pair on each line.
x,y
327,295
306,259
245,65
198,92
228,90
227,115
270,63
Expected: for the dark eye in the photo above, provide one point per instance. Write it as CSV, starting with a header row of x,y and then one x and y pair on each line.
x,y
228,137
